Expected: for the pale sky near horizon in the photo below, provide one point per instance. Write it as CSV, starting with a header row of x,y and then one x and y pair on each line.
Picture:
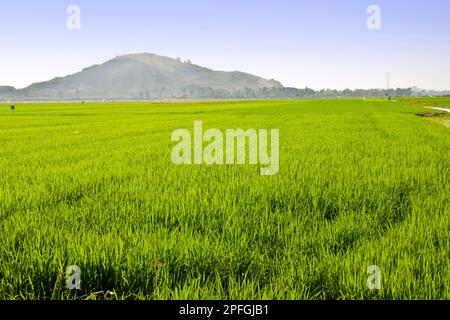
x,y
314,43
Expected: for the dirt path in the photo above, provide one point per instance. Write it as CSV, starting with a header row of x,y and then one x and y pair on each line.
x,y
440,109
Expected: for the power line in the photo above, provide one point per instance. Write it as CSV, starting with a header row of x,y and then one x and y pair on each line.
x,y
388,80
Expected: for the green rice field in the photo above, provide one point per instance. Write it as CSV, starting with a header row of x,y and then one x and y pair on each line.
x,y
361,183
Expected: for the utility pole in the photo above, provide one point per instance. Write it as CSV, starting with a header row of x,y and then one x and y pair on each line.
x,y
388,81
388,85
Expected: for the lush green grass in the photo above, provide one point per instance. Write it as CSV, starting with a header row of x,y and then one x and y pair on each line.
x,y
444,118
361,182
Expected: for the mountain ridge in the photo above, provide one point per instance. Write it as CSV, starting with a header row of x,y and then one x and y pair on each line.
x,y
148,76
143,76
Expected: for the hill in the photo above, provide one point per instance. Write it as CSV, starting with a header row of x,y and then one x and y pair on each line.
x,y
144,76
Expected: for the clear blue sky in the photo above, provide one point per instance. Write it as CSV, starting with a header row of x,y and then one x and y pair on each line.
x,y
315,43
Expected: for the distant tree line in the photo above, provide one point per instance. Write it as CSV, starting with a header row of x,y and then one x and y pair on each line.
x,y
200,92
197,92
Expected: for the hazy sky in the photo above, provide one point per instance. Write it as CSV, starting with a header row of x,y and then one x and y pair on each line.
x,y
315,43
